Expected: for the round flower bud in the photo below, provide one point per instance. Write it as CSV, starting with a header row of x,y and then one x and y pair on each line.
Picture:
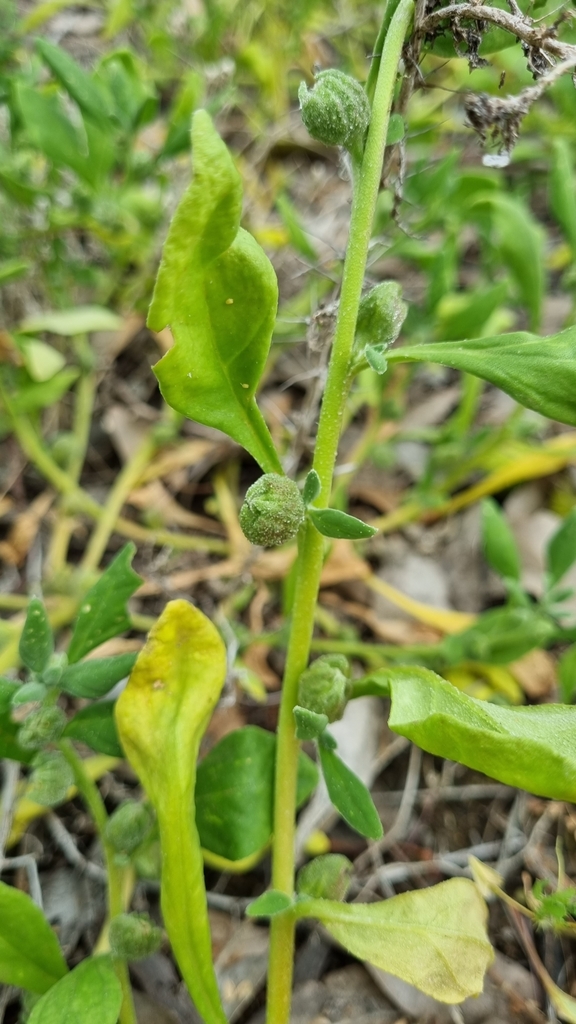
x,y
325,878
133,936
325,687
128,826
336,110
50,780
273,511
42,727
381,315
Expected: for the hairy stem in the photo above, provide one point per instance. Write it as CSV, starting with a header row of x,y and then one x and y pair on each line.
x,y
311,545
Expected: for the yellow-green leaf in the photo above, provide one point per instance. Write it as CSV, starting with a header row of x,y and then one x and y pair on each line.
x,y
432,938
161,717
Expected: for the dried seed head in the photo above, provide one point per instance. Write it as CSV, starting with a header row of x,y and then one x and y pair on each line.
x,y
336,110
325,687
273,511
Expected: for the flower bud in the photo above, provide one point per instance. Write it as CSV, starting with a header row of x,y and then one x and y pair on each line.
x,y
42,727
128,826
381,315
273,511
325,878
325,687
133,936
50,780
336,110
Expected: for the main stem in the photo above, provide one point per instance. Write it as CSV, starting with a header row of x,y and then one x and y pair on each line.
x,y
311,549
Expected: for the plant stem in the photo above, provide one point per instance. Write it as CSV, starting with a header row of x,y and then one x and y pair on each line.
x,y
311,544
116,889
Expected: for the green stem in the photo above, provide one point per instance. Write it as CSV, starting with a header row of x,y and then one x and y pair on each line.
x,y
311,545
116,897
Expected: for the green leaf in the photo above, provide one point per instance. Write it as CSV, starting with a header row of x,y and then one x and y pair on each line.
x,y
96,677
217,290
332,523
349,795
91,993
519,240
562,195
161,717
95,726
500,636
531,747
376,359
561,552
31,397
30,956
235,792
567,675
540,373
36,645
41,360
464,314
49,129
434,939
499,544
103,612
326,877
309,724
10,270
396,129
71,322
312,487
9,746
269,904
79,85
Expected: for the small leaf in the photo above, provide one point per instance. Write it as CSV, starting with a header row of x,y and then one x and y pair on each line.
x,y
434,939
36,642
30,956
41,360
269,904
567,674
499,544
94,678
91,993
161,717
78,84
95,726
396,129
103,611
71,322
349,795
217,290
235,793
500,636
312,487
376,359
332,523
35,396
561,552
540,373
529,747
51,131
309,724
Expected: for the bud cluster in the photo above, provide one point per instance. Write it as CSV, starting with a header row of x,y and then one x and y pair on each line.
x,y
325,687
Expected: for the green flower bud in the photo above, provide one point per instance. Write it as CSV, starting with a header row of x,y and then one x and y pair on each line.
x,y
336,110
42,727
325,687
53,673
128,826
381,315
325,878
50,780
273,511
133,936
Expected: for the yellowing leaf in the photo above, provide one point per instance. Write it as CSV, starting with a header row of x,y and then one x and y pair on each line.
x,y
432,938
161,717
444,620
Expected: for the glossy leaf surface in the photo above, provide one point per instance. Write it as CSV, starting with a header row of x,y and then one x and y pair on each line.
x,y
161,717
333,523
95,726
30,956
530,747
235,792
217,291
94,678
90,993
432,938
349,795
540,373
103,612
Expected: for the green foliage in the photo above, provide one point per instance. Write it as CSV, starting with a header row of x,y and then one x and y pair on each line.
x,y
133,936
553,909
324,687
269,904
90,993
36,642
500,636
217,291
561,553
128,826
327,877
103,611
95,726
349,795
432,938
309,724
498,540
42,727
330,522
30,956
530,747
50,780
94,678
